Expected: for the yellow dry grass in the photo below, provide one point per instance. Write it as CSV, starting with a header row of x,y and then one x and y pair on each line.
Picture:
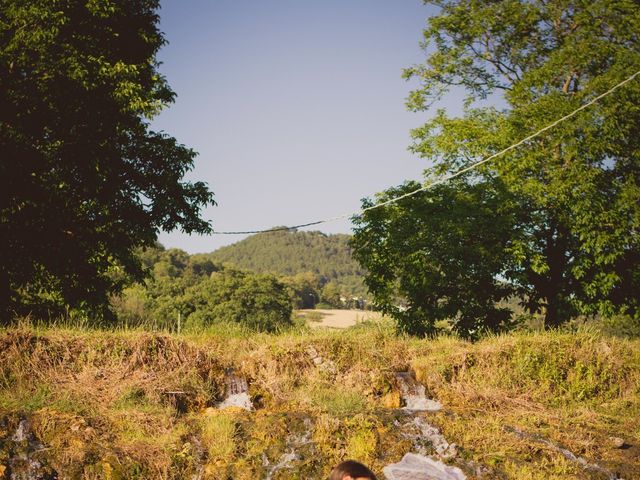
x,y
139,405
337,318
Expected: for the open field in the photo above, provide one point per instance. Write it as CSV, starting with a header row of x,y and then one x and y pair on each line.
x,y
132,404
337,318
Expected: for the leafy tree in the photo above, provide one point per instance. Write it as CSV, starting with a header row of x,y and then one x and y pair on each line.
x,y
573,246
161,300
258,301
303,289
330,295
200,293
437,256
85,181
171,264
131,306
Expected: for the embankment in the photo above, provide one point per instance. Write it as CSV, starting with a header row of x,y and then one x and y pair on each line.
x,y
105,405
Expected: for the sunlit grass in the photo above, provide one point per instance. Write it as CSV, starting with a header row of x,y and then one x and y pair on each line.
x,y
145,394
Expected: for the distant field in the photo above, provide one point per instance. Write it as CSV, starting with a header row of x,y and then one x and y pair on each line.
x,y
338,318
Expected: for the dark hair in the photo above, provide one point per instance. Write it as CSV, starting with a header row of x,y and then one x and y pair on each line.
x,y
353,469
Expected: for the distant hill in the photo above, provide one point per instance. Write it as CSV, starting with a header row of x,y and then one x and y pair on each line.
x,y
291,252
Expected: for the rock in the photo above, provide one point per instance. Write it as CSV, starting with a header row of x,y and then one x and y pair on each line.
x,y
443,448
237,400
237,392
617,442
317,360
329,367
419,467
414,394
21,432
24,462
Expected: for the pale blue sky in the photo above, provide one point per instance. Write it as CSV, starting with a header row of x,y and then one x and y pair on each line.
x,y
296,107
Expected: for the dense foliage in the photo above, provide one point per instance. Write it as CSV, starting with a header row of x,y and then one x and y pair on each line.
x,y
442,251
290,253
194,293
571,197
258,301
84,179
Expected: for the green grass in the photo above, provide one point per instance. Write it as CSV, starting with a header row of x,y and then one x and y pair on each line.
x,y
335,401
219,434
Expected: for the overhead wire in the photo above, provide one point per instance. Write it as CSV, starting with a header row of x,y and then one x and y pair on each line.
x,y
444,178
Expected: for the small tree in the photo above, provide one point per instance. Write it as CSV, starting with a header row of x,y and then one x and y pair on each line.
x,y
303,289
330,295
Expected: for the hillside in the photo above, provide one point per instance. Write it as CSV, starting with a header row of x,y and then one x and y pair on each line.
x,y
137,405
291,252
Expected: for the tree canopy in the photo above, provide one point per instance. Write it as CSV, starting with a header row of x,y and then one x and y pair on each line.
x,y
437,255
193,292
84,179
292,253
571,197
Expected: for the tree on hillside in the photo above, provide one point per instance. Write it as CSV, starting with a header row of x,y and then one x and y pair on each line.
x,y
191,292
573,194
84,179
290,253
330,295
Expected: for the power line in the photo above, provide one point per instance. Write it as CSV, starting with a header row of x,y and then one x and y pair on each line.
x,y
445,178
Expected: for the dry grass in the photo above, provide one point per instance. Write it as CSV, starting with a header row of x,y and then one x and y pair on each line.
x,y
570,389
338,318
137,405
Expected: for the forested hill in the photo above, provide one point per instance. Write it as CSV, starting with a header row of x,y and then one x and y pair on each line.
x,y
292,252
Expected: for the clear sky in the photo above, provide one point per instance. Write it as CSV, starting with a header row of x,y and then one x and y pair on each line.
x,y
296,107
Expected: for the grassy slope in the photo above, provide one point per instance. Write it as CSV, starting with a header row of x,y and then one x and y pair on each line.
x,y
290,253
105,404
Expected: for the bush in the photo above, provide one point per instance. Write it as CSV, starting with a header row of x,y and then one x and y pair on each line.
x,y
259,302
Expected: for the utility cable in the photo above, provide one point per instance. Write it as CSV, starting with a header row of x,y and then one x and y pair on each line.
x,y
445,178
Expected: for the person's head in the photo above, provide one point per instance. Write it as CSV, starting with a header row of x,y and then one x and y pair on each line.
x,y
351,470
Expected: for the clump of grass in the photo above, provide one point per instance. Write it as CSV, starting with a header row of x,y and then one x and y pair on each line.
x,y
335,401
266,433
558,385
553,367
219,435
362,444
314,316
27,399
359,437
132,397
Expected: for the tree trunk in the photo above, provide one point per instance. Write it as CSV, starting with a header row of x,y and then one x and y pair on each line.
x,y
552,314
556,260
5,295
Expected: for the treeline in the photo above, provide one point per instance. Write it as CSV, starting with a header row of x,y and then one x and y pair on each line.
x,y
328,258
193,292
